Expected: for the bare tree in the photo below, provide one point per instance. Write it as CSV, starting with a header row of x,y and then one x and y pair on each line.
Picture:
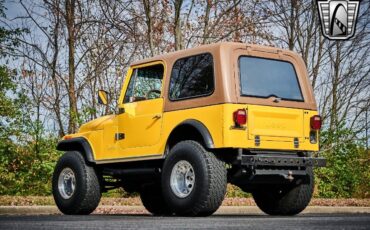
x,y
84,46
338,69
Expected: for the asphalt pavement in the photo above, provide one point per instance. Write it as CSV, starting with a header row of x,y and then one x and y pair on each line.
x,y
303,221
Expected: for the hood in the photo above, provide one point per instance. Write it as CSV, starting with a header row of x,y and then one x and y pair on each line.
x,y
97,124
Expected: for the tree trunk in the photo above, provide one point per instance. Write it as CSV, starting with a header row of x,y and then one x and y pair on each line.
x,y
292,23
149,24
335,81
177,24
70,22
206,22
56,106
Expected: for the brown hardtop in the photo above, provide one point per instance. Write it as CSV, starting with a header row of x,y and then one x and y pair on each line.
x,y
226,75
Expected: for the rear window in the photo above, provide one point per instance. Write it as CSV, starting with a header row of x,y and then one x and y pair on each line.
x,y
260,77
192,77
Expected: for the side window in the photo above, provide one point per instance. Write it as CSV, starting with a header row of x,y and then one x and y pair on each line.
x,y
192,77
145,83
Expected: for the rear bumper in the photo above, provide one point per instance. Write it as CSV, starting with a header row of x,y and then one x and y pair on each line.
x,y
282,161
252,170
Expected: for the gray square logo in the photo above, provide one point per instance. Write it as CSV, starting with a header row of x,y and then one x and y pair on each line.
x,y
338,18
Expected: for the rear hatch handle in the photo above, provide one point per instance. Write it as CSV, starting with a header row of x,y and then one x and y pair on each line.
x,y
276,99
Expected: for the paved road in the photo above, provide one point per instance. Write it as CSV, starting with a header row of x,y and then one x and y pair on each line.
x,y
305,221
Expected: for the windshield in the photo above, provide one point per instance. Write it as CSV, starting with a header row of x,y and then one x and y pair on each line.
x,y
260,77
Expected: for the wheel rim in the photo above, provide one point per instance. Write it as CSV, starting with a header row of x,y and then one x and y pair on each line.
x,y
182,179
67,183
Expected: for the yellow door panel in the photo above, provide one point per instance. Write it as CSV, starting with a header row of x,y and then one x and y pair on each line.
x,y
141,123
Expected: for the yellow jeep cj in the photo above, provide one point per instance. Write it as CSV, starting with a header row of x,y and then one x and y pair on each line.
x,y
191,121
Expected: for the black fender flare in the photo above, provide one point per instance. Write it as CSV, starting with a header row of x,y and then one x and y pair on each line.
x,y
78,144
202,129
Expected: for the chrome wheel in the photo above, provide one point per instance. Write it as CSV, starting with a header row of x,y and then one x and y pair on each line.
x,y
182,179
66,183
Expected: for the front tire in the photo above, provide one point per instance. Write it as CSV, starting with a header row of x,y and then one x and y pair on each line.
x,y
193,180
75,185
285,199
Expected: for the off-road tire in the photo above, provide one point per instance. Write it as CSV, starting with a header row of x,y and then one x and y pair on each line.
x,y
210,180
285,200
153,200
87,193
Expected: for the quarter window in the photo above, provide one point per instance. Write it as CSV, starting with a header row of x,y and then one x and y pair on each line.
x,y
192,77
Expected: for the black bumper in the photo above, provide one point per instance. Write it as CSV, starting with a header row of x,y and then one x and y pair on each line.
x,y
282,161
274,168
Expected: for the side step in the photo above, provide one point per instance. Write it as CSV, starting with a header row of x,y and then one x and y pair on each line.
x,y
131,171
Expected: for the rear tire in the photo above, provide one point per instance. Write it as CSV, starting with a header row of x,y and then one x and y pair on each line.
x,y
153,200
284,200
193,180
75,185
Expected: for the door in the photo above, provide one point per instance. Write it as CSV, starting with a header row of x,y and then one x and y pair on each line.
x,y
140,121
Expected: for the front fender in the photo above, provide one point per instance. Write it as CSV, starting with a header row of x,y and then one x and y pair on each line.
x,y
79,144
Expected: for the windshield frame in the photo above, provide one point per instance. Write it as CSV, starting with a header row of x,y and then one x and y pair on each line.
x,y
271,95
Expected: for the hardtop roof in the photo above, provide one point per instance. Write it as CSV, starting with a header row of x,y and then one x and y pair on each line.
x,y
204,48
226,80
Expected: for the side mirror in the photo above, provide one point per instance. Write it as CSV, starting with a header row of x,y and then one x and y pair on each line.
x,y
102,97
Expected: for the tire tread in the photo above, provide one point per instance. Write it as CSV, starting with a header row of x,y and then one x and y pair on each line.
x,y
294,200
211,198
88,196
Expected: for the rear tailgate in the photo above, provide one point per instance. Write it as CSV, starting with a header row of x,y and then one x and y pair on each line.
x,y
275,123
274,88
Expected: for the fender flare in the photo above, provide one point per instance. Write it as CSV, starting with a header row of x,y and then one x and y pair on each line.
x,y
202,129
78,144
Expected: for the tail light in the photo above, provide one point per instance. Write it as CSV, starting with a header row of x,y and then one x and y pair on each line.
x,y
315,122
240,117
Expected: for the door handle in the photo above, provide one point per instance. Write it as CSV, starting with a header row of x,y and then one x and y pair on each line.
x,y
157,116
119,136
